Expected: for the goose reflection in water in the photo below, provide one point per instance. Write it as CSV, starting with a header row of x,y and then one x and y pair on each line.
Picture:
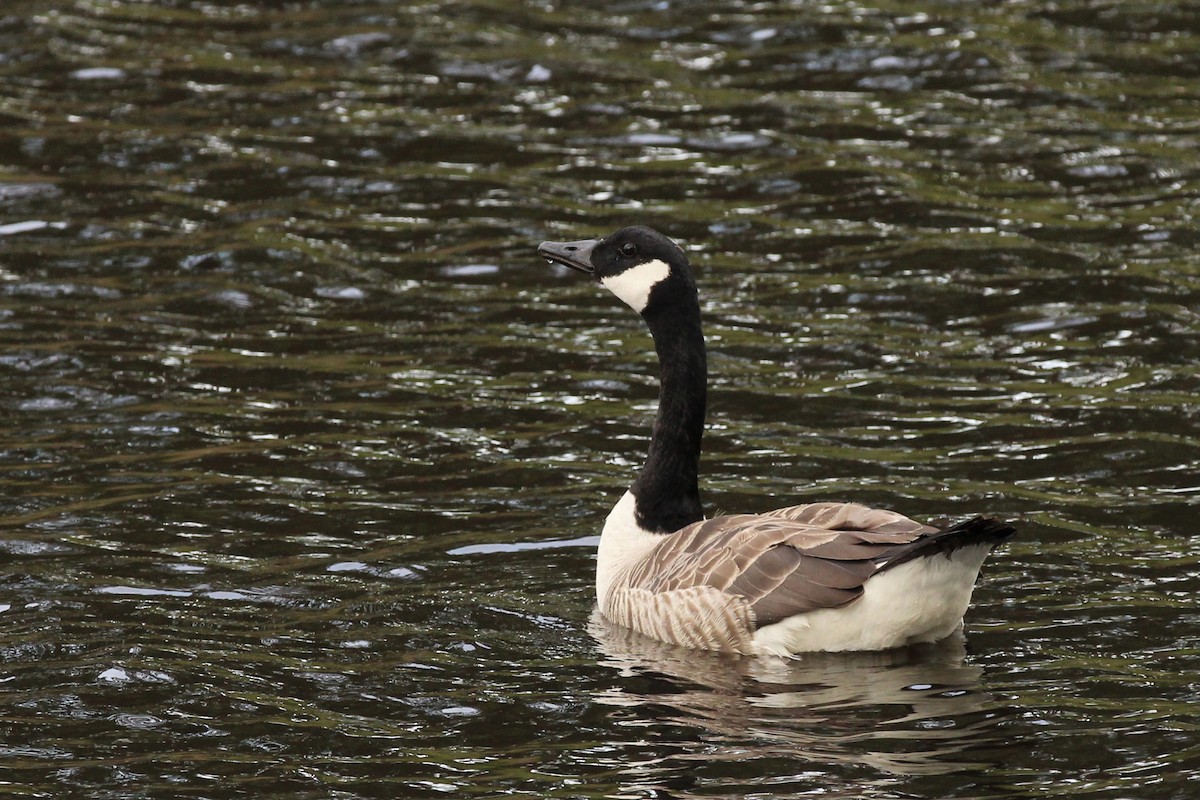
x,y
911,711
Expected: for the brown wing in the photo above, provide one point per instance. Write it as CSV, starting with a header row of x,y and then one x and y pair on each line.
x,y
785,562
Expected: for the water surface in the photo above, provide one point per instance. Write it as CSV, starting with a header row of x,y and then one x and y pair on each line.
x,y
304,451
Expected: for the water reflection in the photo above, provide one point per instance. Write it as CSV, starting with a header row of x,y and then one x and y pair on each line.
x,y
915,711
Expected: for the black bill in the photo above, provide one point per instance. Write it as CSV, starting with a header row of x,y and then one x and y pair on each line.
x,y
576,255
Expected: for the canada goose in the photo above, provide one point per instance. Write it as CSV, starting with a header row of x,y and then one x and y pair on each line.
x,y
822,576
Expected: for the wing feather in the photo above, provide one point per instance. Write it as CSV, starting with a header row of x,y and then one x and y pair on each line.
x,y
784,562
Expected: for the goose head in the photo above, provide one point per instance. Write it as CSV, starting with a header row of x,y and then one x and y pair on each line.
x,y
639,265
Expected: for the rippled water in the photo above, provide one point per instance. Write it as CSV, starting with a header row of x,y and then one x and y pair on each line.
x,y
304,451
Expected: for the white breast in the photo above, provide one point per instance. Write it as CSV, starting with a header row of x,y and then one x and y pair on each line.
x,y
623,543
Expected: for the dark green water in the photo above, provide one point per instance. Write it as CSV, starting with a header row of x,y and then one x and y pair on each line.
x,y
303,450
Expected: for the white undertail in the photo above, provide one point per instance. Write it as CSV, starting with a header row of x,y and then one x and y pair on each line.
x,y
917,602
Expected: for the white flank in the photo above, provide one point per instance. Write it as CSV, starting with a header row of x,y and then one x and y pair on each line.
x,y
921,601
634,284
623,543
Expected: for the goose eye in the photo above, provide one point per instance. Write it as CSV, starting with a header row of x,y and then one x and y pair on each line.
x,y
629,249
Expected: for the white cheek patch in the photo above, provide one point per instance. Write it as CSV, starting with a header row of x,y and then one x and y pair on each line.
x,y
634,284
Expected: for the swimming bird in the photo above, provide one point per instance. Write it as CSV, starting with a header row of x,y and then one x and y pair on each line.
x,y
815,577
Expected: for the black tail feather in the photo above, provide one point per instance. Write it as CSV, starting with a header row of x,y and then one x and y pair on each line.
x,y
979,530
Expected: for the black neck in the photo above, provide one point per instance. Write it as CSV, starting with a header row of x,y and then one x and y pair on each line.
x,y
667,493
